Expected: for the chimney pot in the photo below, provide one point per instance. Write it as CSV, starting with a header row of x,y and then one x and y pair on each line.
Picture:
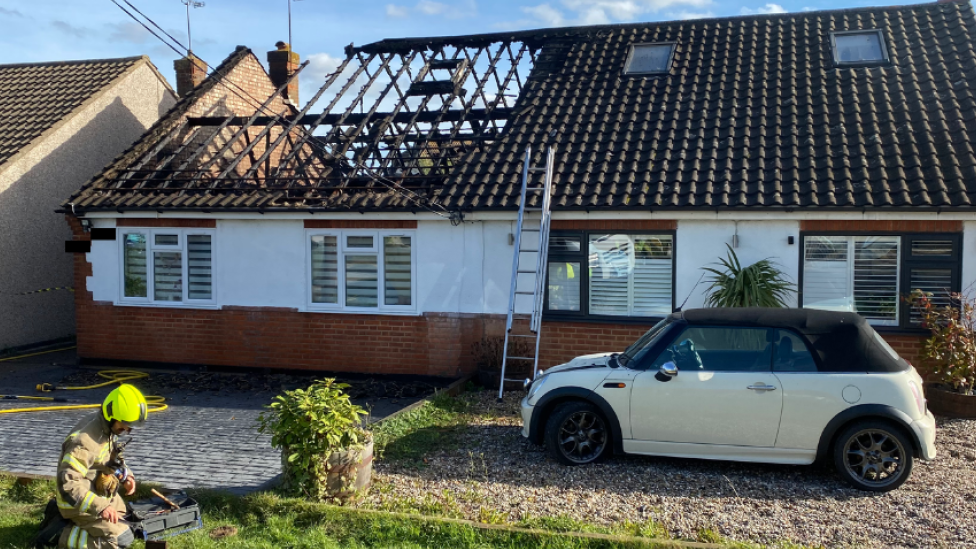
x,y
190,71
282,63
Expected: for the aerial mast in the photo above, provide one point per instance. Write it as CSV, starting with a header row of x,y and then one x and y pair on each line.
x,y
195,4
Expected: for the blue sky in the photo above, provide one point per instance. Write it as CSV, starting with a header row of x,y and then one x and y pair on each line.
x,y
46,30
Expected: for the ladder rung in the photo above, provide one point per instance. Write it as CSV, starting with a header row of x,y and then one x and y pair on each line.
x,y
537,169
529,251
520,335
533,209
526,272
520,357
510,379
517,292
530,230
535,188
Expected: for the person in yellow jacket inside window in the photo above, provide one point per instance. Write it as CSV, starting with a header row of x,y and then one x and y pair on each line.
x,y
87,510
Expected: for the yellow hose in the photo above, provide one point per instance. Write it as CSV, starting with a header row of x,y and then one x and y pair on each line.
x,y
156,403
35,354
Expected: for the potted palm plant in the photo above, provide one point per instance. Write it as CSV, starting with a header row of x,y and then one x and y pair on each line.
x,y
326,453
761,284
950,351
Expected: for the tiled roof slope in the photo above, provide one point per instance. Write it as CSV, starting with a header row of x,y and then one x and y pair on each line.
x,y
85,196
753,114
36,96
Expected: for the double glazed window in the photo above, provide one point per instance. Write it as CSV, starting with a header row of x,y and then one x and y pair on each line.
x,y
650,58
610,275
361,270
872,274
167,266
859,47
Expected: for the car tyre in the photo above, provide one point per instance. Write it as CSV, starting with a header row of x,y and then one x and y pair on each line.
x,y
873,455
577,434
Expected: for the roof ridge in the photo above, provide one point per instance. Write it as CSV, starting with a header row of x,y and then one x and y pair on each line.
x,y
74,62
581,29
171,116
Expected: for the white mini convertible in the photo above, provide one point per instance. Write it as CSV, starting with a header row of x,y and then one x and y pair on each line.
x,y
764,385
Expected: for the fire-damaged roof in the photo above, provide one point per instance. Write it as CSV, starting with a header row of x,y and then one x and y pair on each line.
x,y
752,112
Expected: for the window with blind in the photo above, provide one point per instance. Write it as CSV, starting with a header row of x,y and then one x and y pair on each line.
x,y
606,275
359,270
167,266
872,274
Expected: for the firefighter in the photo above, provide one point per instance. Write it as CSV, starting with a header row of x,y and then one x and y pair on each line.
x,y
87,510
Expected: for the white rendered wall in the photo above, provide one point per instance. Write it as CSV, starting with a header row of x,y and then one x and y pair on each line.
x,y
701,243
260,264
463,269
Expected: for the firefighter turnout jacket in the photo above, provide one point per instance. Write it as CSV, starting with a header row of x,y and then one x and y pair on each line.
x,y
84,453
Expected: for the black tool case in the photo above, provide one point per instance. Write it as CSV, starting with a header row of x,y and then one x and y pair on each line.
x,y
154,519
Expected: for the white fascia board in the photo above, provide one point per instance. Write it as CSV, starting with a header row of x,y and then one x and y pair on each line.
x,y
726,215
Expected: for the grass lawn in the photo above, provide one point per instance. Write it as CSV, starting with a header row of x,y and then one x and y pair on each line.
x,y
272,521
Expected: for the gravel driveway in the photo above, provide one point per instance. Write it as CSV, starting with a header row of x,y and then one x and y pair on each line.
x,y
497,472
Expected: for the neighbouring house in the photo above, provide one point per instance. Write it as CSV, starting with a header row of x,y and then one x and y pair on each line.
x,y
60,124
370,230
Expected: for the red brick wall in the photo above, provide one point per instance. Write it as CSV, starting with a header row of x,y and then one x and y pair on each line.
x,y
179,223
354,224
906,226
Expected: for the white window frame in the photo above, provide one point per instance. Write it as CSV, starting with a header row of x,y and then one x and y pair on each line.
x,y
151,247
850,241
667,66
378,250
885,58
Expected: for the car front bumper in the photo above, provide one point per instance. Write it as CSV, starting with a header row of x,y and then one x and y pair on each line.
x,y
925,431
526,415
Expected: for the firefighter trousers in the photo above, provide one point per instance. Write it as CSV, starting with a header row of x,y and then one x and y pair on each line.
x,y
92,532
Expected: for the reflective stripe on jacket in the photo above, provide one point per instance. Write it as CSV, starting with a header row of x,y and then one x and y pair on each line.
x,y
85,452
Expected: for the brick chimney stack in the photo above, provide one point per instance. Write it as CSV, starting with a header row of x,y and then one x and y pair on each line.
x,y
282,63
190,71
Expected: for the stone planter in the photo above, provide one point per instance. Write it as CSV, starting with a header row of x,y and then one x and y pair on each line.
x,y
354,463
945,402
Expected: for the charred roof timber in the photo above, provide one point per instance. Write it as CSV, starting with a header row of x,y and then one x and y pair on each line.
x,y
400,117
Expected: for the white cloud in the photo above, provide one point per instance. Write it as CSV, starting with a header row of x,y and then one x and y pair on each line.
x,y
320,65
397,12
598,12
129,32
431,8
767,9
690,14
71,30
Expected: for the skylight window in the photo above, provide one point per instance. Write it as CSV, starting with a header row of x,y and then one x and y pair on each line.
x,y
859,47
649,58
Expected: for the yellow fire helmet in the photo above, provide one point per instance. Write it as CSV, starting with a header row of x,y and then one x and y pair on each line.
x,y
126,404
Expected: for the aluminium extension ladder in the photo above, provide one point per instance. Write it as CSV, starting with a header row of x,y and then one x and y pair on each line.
x,y
524,286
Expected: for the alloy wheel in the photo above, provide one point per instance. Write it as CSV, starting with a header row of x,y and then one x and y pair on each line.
x,y
582,437
874,457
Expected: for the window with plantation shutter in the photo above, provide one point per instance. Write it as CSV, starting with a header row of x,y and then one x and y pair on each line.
x,y
167,267
859,274
626,275
872,274
359,270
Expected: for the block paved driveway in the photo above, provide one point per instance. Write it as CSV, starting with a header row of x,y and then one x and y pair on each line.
x,y
207,438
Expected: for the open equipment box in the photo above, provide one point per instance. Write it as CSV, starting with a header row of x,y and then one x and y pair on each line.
x,y
153,519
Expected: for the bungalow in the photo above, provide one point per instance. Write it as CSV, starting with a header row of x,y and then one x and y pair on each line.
x,y
60,123
371,230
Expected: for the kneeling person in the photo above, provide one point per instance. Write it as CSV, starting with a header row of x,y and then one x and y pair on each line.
x,y
88,482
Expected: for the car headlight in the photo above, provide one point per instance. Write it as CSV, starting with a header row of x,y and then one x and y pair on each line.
x,y
536,385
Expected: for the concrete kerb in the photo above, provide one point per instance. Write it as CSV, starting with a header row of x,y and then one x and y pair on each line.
x,y
454,389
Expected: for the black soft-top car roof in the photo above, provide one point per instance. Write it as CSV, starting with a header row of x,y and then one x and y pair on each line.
x,y
843,342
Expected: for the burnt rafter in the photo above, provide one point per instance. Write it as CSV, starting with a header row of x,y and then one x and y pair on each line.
x,y
390,116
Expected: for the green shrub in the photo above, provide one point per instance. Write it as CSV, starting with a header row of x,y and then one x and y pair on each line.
x,y
758,285
308,425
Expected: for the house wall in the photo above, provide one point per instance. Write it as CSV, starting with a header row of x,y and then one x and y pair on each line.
x,y
33,185
261,318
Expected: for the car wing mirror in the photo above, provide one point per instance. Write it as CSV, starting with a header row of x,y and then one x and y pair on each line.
x,y
669,369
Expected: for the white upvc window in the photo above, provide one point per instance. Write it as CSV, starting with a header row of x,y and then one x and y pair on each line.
x,y
853,273
361,270
166,267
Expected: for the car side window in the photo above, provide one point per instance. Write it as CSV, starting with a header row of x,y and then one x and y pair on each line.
x,y
791,354
720,349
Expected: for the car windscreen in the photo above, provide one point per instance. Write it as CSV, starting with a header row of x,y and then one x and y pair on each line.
x,y
636,351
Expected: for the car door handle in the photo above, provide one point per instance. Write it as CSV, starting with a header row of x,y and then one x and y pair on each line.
x,y
762,387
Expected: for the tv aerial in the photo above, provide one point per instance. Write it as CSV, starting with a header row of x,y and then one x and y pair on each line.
x,y
189,38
